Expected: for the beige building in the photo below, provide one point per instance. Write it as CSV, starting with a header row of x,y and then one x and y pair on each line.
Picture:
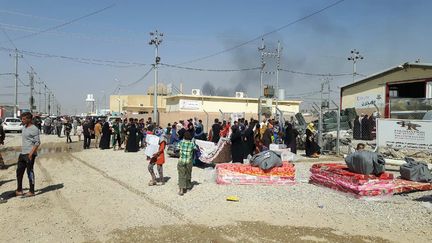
x,y
222,104
175,107
140,104
404,91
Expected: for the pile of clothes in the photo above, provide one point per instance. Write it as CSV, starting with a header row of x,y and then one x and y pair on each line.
x,y
209,152
246,174
338,177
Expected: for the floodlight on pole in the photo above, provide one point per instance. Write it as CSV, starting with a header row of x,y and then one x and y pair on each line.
x,y
355,57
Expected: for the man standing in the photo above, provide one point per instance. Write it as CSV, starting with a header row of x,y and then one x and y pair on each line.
x,y
74,125
2,137
87,134
26,160
116,133
2,165
97,132
68,129
59,127
215,131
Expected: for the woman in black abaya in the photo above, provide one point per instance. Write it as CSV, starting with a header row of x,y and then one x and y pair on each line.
x,y
236,145
365,128
106,136
291,137
132,145
356,128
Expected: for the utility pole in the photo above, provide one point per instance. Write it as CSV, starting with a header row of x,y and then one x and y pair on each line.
x,y
16,81
261,50
45,100
49,103
31,101
323,105
355,56
40,97
275,55
279,49
156,40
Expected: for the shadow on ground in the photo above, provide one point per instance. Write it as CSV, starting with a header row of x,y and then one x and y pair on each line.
x,y
10,194
5,181
240,232
427,198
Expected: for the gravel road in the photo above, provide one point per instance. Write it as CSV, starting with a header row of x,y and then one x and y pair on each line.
x,y
102,196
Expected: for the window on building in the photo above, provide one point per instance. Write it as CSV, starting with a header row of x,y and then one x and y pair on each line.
x,y
393,93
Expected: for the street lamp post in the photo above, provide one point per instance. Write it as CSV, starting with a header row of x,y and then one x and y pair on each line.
x,y
355,56
156,40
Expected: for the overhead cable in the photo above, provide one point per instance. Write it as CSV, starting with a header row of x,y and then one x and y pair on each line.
x,y
316,74
93,61
210,70
65,23
139,80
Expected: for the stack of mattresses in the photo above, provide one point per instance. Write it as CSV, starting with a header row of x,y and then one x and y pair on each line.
x,y
245,174
214,153
337,176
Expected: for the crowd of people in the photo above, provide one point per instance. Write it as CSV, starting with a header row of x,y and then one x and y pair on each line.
x,y
247,137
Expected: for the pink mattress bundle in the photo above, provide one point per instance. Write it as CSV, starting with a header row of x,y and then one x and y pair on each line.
x,y
245,174
337,176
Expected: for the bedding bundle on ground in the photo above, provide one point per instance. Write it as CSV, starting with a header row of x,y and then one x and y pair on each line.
x,y
246,174
210,152
338,177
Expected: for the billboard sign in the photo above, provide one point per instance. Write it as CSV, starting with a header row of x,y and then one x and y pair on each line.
x,y
404,134
189,104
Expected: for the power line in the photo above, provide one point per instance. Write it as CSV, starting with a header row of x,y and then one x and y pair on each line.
x,y
136,82
265,34
59,33
110,29
210,70
26,85
316,74
64,24
84,60
28,15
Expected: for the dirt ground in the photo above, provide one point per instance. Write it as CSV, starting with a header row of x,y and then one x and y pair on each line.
x,y
103,196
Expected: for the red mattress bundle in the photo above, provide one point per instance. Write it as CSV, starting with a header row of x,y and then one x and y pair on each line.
x,y
337,176
242,174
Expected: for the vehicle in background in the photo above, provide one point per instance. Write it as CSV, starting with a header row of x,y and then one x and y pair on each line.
x,y
111,119
12,124
428,116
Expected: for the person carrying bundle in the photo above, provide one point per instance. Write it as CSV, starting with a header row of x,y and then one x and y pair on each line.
x,y
365,162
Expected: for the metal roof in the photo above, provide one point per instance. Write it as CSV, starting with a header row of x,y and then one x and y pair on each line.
x,y
387,71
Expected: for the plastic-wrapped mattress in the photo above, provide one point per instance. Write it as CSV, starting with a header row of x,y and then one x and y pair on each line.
x,y
337,176
245,174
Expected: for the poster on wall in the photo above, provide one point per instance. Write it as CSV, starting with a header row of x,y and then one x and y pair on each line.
x,y
404,134
369,101
236,116
189,105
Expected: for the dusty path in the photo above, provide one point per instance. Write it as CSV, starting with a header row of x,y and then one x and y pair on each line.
x,y
95,195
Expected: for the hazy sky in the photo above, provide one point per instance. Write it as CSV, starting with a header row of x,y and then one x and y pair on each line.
x,y
386,32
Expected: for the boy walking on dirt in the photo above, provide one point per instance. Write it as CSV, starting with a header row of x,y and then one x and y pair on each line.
x,y
184,166
158,159
26,159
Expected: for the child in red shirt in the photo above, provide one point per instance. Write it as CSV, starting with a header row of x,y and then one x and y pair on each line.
x,y
158,159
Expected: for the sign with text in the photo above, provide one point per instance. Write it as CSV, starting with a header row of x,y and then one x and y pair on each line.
x,y
369,101
404,134
189,104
